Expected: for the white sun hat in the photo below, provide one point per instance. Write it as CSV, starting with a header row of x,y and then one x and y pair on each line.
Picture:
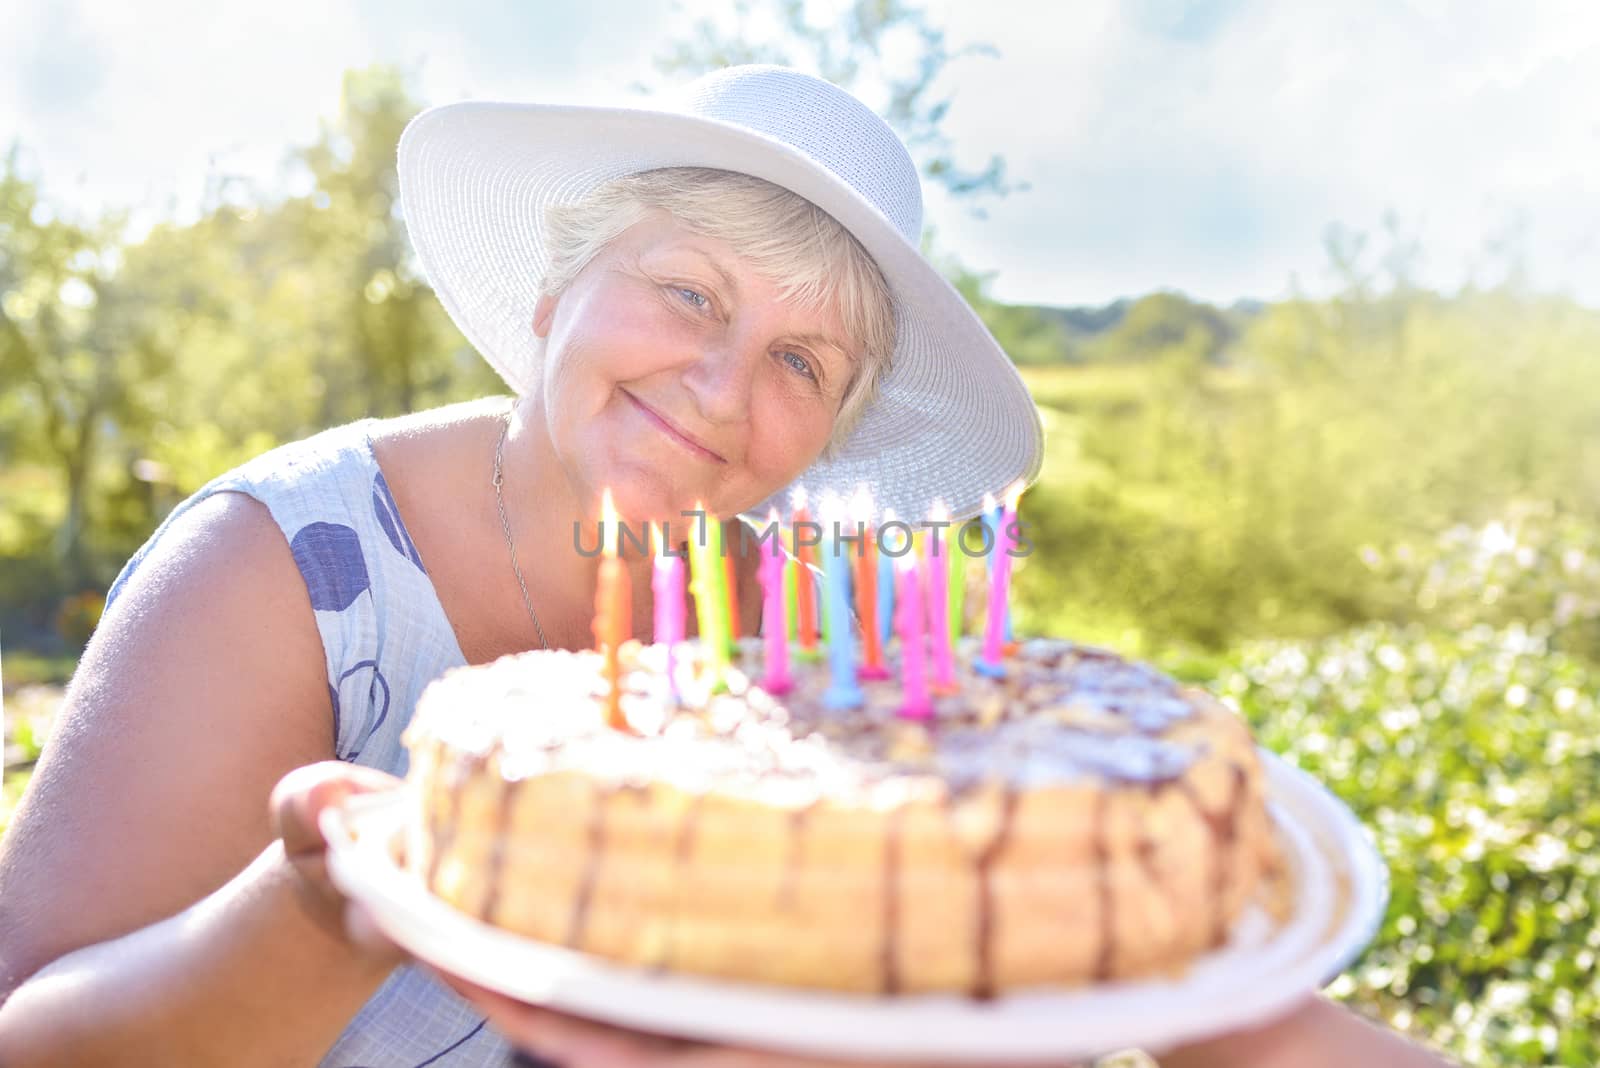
x,y
952,420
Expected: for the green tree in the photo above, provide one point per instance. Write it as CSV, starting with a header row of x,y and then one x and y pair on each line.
x,y
853,51
73,346
388,346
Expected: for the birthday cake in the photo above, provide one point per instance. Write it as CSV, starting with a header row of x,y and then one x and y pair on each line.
x,y
1079,818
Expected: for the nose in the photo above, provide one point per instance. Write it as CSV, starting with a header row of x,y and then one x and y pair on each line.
x,y
721,379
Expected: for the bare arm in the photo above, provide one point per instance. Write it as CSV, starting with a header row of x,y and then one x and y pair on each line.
x,y
1319,1034
147,913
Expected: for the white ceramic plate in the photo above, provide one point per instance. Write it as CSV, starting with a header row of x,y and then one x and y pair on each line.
x,y
1340,892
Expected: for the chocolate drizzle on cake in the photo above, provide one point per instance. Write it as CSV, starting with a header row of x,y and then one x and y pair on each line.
x,y
1224,829
1147,849
983,988
891,901
1102,867
591,870
682,844
797,844
462,770
497,854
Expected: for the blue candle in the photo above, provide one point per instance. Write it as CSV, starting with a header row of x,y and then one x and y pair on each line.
x,y
843,689
992,520
886,585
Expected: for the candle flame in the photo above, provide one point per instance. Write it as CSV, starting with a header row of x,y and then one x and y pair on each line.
x,y
831,507
941,513
1014,494
797,499
861,503
608,523
988,503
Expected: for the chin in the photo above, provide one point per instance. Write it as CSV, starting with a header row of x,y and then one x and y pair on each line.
x,y
641,497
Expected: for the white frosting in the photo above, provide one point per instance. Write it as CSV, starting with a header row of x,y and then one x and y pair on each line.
x,y
1063,713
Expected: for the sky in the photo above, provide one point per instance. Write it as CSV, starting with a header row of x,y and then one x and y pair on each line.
x,y
1205,146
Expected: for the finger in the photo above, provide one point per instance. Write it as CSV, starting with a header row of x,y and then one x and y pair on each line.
x,y
300,796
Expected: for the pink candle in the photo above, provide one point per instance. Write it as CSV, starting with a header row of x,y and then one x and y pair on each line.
x,y
911,626
938,570
774,613
994,630
667,583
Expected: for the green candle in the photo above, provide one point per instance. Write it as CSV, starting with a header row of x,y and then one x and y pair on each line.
x,y
710,597
722,615
791,598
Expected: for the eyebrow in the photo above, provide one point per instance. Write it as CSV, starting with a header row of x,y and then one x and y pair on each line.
x,y
823,339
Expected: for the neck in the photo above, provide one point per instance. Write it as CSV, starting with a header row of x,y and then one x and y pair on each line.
x,y
555,527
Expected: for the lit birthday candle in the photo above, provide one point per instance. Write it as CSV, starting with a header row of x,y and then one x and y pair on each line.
x,y
612,612
886,582
911,626
938,569
774,624
730,584
666,583
993,518
872,666
791,594
958,582
805,581
705,558
989,663
843,689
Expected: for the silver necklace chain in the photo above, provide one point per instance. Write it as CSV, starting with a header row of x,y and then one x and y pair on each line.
x,y
505,525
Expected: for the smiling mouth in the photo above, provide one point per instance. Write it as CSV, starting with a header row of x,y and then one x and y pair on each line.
x,y
671,430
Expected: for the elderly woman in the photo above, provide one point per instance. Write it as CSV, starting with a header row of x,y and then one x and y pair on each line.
x,y
703,306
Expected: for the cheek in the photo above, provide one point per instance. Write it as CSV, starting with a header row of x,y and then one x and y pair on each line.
x,y
788,431
615,341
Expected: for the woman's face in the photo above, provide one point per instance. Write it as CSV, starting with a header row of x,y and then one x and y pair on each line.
x,y
674,375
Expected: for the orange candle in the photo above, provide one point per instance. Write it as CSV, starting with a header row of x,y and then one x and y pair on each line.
x,y
867,592
613,613
805,587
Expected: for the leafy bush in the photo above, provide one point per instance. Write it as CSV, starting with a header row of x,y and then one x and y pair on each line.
x,y
1538,565
1472,755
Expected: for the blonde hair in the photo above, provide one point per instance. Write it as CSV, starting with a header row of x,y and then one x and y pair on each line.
x,y
789,240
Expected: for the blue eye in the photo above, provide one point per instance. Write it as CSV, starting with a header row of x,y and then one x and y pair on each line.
x,y
796,361
696,299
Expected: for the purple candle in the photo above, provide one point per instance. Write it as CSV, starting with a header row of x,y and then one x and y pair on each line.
x,y
911,625
774,612
938,569
667,584
994,630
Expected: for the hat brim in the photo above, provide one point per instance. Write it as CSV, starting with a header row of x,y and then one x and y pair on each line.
x,y
953,419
